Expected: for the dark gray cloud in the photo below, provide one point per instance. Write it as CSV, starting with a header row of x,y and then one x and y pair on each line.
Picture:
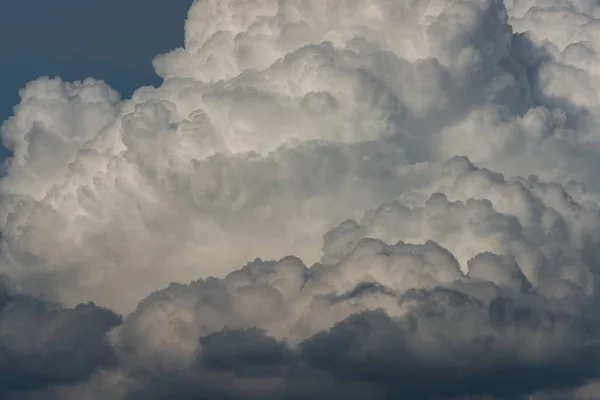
x,y
510,348
43,344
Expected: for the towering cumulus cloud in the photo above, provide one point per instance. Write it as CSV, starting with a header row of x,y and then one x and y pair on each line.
x,y
416,182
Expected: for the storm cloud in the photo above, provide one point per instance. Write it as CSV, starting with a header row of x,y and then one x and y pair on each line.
x,y
415,181
43,344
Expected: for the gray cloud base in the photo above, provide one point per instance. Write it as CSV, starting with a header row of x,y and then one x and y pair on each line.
x,y
43,344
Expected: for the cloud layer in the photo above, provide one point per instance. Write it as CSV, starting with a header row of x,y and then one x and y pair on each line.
x,y
43,344
424,171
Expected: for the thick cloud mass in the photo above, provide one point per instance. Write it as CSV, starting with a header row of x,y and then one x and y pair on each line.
x,y
424,171
43,344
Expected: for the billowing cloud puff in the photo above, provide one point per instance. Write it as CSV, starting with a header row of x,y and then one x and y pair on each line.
x,y
424,171
535,225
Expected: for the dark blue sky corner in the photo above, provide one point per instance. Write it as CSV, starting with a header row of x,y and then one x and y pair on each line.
x,y
111,40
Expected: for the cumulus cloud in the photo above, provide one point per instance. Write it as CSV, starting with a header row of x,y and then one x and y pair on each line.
x,y
535,225
260,145
507,303
354,330
424,171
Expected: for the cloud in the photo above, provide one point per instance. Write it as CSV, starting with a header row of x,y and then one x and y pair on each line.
x,y
536,225
425,173
454,337
508,302
43,344
310,118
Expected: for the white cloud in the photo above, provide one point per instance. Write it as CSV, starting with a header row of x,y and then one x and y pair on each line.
x,y
457,140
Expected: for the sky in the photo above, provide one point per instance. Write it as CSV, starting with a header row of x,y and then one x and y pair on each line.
x,y
365,200
111,40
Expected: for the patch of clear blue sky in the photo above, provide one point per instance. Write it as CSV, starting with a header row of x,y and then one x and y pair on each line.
x,y
112,40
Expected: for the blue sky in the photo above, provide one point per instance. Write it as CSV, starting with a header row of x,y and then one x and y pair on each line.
x,y
113,40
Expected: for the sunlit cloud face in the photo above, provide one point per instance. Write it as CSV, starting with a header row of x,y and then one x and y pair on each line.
x,y
424,172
